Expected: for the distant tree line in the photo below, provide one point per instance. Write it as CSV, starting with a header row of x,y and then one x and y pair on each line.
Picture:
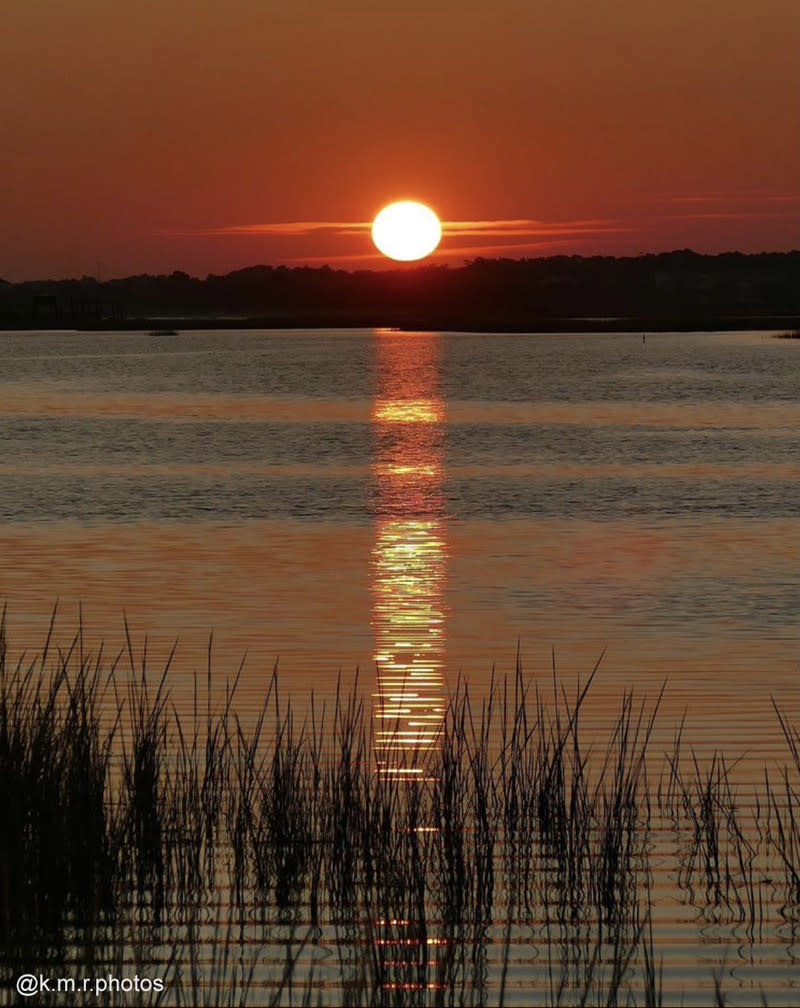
x,y
483,293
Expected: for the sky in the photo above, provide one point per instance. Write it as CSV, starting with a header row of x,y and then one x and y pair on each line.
x,y
146,136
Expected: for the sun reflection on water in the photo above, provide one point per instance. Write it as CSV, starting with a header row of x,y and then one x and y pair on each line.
x,y
409,556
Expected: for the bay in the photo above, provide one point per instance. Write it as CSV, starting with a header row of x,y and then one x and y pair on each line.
x,y
425,508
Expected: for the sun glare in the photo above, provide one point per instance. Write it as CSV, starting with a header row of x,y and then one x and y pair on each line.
x,y
406,231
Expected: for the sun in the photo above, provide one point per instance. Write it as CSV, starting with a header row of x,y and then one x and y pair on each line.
x,y
406,231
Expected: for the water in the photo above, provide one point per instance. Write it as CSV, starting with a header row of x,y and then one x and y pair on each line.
x,y
421,506
583,492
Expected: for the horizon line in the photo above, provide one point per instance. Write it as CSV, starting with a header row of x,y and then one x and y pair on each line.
x,y
319,262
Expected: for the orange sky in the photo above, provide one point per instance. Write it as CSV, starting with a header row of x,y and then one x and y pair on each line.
x,y
152,135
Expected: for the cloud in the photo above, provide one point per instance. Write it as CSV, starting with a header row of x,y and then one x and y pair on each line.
x,y
528,228
543,244
517,227
546,240
727,215
290,228
730,197
490,237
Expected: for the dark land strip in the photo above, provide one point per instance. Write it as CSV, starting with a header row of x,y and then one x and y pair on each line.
x,y
674,291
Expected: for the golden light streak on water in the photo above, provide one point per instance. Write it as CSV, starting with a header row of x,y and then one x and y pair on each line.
x,y
409,556
409,623
409,411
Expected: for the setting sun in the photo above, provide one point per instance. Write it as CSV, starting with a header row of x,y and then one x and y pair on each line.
x,y
406,231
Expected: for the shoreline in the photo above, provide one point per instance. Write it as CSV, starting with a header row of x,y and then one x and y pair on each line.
x,y
404,323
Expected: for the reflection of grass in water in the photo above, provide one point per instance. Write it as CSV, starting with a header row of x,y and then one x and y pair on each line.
x,y
129,834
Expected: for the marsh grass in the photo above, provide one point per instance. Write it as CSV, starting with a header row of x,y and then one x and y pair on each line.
x,y
784,816
57,845
199,846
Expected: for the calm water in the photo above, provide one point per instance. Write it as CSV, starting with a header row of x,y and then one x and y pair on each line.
x,y
419,506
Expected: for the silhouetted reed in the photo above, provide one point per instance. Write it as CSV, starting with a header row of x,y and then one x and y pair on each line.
x,y
57,843
134,828
784,816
